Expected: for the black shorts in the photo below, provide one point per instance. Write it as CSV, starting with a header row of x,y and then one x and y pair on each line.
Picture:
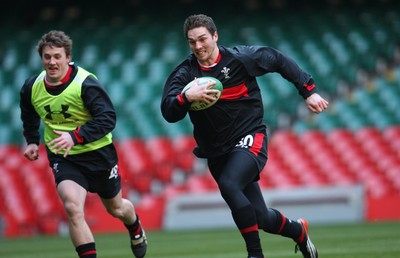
x,y
256,145
106,183
253,147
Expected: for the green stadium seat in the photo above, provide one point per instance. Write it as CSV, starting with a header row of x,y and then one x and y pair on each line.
x,y
350,115
328,121
331,46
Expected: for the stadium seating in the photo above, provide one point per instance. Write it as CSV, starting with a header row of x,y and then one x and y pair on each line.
x,y
356,141
368,156
134,71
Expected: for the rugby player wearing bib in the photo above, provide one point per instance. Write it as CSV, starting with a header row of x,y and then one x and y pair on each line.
x,y
78,117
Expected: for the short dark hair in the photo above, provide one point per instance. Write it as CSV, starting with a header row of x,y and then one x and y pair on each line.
x,y
199,20
55,38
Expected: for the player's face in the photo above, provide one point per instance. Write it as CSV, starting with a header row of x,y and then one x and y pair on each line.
x,y
203,45
55,62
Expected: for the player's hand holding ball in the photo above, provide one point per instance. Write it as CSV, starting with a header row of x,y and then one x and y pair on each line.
x,y
203,92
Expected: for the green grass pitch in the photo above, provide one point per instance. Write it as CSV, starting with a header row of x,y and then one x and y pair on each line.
x,y
367,240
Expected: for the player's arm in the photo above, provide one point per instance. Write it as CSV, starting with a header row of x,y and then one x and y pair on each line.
x,y
102,110
301,80
174,103
30,119
261,60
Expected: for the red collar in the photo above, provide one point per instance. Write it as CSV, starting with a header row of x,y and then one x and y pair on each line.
x,y
209,67
62,81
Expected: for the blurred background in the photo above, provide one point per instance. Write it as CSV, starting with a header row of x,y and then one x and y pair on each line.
x,y
351,47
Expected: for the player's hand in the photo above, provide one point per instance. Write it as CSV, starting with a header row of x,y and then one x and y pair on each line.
x,y
63,142
202,93
32,151
316,103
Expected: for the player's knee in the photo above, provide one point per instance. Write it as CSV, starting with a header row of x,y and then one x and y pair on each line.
x,y
74,210
229,189
272,221
261,221
227,186
115,212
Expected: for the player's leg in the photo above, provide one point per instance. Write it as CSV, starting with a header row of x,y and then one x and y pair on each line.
x,y
73,197
273,221
123,209
72,188
120,208
269,219
232,173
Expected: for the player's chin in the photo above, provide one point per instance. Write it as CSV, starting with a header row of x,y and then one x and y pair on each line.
x,y
52,74
201,56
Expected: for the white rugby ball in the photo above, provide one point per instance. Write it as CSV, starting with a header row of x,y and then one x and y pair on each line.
x,y
199,105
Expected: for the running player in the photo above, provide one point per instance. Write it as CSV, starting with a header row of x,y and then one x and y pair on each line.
x,y
78,119
231,134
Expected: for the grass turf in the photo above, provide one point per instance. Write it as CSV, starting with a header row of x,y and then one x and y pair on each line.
x,y
367,240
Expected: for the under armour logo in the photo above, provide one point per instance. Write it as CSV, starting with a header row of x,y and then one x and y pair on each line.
x,y
63,111
114,172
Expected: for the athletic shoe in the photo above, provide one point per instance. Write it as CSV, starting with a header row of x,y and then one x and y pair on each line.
x,y
139,244
306,247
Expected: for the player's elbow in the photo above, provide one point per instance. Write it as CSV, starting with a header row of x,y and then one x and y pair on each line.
x,y
172,115
170,118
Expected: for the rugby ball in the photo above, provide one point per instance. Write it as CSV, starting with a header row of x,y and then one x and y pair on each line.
x,y
199,105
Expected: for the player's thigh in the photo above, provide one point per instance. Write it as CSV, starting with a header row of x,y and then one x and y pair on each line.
x,y
254,195
113,203
240,169
72,195
64,169
71,183
106,183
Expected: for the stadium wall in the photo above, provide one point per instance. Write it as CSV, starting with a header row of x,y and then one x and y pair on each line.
x,y
155,215
324,206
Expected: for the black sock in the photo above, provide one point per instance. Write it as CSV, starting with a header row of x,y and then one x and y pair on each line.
x,y
135,230
286,227
86,250
246,222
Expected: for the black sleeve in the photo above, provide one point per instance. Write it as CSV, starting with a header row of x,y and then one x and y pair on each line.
x,y
174,105
99,104
262,60
30,119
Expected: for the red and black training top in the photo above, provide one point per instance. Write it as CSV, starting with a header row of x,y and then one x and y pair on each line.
x,y
239,111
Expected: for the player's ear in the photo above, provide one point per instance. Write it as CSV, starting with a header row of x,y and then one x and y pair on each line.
x,y
215,36
69,58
